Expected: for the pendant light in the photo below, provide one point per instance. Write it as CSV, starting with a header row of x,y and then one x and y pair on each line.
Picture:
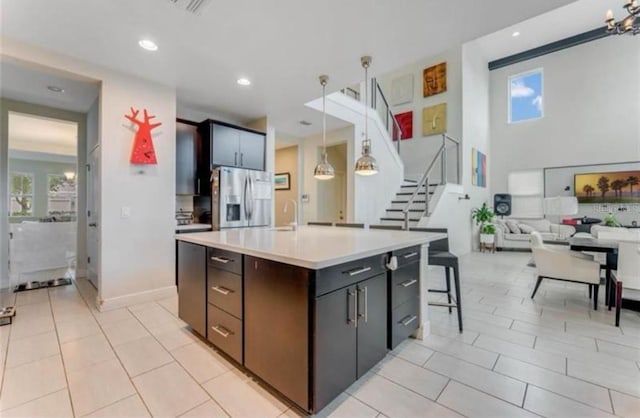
x,y
366,164
324,170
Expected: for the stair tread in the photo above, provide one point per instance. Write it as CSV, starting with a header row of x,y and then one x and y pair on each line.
x,y
406,201
400,210
398,219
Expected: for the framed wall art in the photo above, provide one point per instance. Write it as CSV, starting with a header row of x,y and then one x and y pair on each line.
x,y
434,119
282,181
434,79
405,120
402,90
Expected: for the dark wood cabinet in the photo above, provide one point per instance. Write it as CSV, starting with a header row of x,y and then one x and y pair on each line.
x,y
232,146
308,334
192,285
372,323
276,326
350,337
186,146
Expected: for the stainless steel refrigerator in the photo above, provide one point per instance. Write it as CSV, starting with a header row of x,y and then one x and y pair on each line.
x,y
240,198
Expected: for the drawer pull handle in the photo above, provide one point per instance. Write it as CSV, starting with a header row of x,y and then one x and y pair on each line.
x,y
410,255
222,260
406,322
358,270
222,290
409,283
221,330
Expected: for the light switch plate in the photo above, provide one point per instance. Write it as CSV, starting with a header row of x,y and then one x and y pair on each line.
x,y
125,212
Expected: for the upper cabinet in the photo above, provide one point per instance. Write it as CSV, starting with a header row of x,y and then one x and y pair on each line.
x,y
186,145
233,146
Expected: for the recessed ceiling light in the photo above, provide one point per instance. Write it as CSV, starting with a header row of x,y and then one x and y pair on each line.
x,y
55,89
515,34
148,44
244,81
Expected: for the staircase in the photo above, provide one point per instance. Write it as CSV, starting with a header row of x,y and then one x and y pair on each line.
x,y
395,213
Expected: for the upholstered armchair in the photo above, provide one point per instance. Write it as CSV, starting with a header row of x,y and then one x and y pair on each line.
x,y
558,264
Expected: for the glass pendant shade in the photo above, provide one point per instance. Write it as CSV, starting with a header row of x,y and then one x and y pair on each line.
x,y
366,164
324,170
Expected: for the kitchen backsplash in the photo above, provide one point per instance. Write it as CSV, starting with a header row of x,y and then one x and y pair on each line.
x,y
184,203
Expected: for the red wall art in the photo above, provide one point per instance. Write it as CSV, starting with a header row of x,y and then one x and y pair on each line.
x,y
143,151
405,120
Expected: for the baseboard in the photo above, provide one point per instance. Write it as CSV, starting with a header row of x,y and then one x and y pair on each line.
x,y
136,298
422,332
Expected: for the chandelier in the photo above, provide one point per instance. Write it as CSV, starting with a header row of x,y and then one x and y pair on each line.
x,y
630,24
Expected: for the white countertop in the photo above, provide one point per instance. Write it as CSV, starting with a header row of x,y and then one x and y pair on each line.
x,y
192,226
312,247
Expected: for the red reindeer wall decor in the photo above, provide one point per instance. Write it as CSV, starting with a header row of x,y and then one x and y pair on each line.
x,y
143,151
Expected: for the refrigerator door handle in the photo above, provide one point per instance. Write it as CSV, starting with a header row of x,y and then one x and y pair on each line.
x,y
251,198
245,198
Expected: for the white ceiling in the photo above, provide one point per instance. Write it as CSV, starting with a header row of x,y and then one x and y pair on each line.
x,y
43,135
572,19
29,84
281,45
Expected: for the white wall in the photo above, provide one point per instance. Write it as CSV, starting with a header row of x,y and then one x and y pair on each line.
x,y
310,148
417,153
137,253
475,134
591,110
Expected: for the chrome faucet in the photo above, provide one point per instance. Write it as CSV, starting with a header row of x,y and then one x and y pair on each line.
x,y
294,224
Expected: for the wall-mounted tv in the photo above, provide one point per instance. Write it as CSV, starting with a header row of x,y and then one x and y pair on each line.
x,y
611,187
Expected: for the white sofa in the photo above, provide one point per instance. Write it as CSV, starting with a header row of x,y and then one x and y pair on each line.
x,y
520,239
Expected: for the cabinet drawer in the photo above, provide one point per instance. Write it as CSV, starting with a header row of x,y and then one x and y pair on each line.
x,y
407,255
405,319
225,332
342,275
225,260
405,284
225,290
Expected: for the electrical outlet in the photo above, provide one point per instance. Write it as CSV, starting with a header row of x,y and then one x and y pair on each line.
x,y
125,212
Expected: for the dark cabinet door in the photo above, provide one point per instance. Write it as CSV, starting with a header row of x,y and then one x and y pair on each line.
x,y
252,146
372,322
335,344
225,146
276,326
192,286
186,138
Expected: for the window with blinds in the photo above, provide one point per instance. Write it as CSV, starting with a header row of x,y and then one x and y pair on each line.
x,y
527,192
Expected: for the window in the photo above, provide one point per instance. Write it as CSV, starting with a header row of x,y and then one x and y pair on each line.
x,y
526,190
525,96
61,198
21,194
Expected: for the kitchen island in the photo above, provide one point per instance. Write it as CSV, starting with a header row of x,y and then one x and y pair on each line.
x,y
306,311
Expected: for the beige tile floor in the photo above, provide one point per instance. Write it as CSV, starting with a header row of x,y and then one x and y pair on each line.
x,y
552,356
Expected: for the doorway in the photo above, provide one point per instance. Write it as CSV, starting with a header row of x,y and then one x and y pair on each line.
x,y
42,198
332,194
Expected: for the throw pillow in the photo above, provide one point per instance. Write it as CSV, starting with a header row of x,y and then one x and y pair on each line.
x,y
525,229
513,227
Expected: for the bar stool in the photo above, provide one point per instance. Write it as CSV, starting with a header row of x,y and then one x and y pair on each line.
x,y
439,255
349,225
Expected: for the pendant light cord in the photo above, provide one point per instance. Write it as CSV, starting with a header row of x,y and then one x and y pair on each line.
x,y
324,119
366,104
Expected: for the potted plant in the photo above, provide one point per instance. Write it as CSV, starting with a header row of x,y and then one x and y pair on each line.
x,y
483,217
611,220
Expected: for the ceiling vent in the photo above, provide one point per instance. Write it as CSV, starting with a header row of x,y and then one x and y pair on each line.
x,y
191,6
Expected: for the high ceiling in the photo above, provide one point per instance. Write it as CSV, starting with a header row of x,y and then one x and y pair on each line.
x,y
281,45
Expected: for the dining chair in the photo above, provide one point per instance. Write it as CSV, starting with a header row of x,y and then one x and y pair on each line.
x,y
349,225
439,255
320,223
390,227
571,266
626,278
